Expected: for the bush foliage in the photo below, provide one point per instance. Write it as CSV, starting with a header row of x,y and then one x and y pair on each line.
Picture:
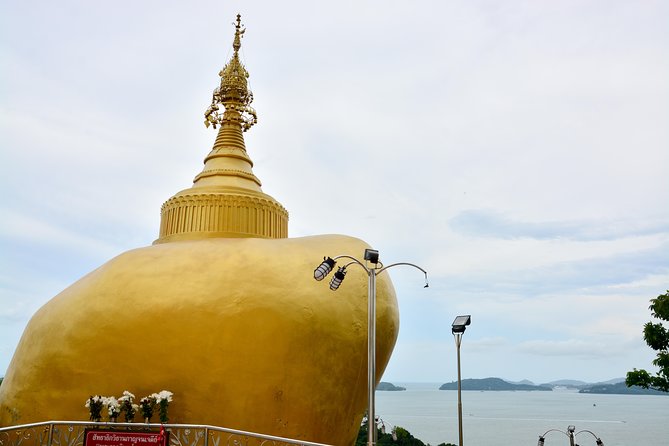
x,y
404,438
657,338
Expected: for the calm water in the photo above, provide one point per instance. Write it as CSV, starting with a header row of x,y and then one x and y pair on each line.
x,y
518,418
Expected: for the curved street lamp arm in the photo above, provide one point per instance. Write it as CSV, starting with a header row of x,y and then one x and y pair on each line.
x,y
406,264
353,260
598,440
380,270
555,430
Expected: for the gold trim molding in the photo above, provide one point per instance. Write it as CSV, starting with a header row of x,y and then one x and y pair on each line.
x,y
188,217
228,172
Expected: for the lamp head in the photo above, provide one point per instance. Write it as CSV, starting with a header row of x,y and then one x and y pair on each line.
x,y
460,323
324,268
372,256
338,278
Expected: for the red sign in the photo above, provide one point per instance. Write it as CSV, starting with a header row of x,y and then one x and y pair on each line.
x,y
124,438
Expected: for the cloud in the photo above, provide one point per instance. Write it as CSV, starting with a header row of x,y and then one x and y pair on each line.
x,y
570,348
589,275
484,344
16,227
517,152
494,224
534,268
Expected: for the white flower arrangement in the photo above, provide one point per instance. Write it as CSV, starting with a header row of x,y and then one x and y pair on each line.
x,y
128,407
113,407
94,405
146,405
127,396
93,400
163,399
163,395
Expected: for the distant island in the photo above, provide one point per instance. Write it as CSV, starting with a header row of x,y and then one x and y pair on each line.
x,y
568,383
614,386
620,389
494,384
389,386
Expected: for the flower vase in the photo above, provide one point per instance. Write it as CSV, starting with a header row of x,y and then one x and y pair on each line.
x,y
147,420
112,419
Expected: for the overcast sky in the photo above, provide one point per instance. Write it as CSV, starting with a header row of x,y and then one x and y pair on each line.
x,y
517,150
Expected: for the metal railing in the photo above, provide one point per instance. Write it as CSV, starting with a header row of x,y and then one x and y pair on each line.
x,y
71,433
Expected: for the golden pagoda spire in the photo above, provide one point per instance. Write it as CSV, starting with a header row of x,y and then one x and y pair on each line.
x,y
233,92
226,199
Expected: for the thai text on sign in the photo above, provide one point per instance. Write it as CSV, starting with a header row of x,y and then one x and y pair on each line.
x,y
124,438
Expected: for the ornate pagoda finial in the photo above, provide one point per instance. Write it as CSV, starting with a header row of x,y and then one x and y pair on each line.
x,y
233,92
226,199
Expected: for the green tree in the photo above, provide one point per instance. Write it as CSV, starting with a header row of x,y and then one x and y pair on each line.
x,y
403,438
657,337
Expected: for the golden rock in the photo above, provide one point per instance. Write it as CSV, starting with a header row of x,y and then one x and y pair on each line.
x,y
222,310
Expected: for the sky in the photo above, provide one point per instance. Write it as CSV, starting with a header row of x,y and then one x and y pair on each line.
x,y
516,150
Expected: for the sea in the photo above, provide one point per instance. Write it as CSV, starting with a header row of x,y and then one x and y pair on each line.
x,y
515,418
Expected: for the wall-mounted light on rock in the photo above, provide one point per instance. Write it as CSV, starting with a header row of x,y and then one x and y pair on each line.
x,y
324,268
338,278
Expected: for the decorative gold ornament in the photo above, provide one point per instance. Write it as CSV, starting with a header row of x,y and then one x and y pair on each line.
x,y
226,199
233,92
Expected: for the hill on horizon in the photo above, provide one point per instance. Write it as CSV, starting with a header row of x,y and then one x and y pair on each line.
x,y
566,382
494,384
615,386
576,384
388,386
524,381
621,388
573,383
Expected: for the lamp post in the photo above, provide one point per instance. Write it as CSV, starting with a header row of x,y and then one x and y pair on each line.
x,y
393,431
570,433
371,256
458,329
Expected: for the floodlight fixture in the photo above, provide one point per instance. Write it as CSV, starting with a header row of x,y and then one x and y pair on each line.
x,y
372,256
460,324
